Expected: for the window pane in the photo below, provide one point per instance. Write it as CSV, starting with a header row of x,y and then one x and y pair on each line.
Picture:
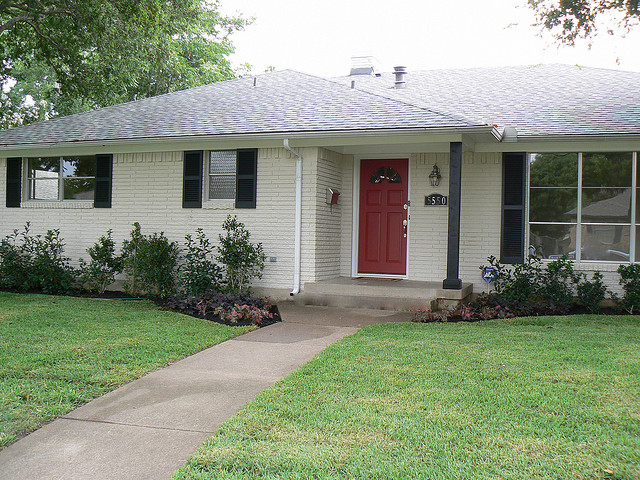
x,y
43,189
79,189
222,187
605,242
606,205
553,169
553,204
79,167
553,241
44,167
223,162
606,170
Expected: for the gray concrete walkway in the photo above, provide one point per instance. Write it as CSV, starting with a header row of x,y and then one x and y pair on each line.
x,y
148,428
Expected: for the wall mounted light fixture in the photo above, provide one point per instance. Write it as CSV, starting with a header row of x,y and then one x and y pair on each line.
x,y
434,176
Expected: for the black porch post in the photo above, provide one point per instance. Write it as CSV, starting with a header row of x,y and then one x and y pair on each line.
x,y
452,282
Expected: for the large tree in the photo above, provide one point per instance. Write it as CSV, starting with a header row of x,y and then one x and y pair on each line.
x,y
569,20
65,56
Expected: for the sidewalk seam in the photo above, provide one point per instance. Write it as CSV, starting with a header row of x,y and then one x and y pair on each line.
x,y
208,432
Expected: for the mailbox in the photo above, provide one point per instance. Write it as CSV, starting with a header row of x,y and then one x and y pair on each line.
x,y
332,196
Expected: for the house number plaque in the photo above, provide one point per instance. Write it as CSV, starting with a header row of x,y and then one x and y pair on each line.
x,y
435,199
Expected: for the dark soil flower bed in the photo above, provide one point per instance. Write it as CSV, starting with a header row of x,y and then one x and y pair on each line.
x,y
207,306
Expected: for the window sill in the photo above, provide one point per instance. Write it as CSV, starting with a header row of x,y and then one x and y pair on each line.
x,y
58,205
219,205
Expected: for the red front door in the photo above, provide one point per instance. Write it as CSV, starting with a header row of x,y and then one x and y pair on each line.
x,y
382,246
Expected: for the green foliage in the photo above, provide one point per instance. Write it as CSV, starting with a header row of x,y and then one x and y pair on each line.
x,y
543,286
16,263
569,20
74,56
630,281
150,262
52,268
35,262
517,283
103,267
558,281
592,292
242,260
199,273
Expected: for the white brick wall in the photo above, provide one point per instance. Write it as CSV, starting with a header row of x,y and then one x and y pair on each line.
x,y
147,188
329,217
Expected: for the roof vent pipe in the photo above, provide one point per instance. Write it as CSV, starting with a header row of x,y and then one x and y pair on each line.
x,y
400,72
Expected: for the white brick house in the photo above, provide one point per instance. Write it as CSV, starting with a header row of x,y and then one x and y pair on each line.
x,y
185,160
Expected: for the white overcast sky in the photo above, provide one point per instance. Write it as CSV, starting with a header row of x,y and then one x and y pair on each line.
x,y
320,37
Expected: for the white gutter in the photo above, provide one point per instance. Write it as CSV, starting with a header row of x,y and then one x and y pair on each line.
x,y
252,137
297,235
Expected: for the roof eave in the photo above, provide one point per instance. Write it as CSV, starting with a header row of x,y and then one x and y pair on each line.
x,y
367,136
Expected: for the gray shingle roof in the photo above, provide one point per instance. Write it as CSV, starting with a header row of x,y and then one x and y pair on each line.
x,y
285,101
536,100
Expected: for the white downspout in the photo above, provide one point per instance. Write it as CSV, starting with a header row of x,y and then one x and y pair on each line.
x,y
297,241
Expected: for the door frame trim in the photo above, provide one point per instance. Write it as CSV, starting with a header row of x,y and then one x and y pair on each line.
x,y
355,223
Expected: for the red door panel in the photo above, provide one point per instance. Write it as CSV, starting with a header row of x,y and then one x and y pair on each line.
x,y
382,246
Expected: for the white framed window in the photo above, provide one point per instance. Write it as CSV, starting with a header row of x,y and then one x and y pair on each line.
x,y
61,178
221,174
583,205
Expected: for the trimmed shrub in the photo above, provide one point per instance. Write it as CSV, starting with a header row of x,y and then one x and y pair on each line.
x,y
592,292
29,262
150,263
242,260
558,281
630,281
199,273
103,267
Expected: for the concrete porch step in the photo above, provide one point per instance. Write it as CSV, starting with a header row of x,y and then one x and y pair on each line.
x,y
377,293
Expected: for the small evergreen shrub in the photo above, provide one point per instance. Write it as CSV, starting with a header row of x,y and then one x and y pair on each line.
x,y
630,281
199,273
517,283
16,262
592,292
558,281
35,262
150,263
242,260
103,266
55,274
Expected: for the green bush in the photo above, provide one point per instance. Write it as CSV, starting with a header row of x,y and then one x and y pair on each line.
x,y
557,282
199,273
242,260
55,275
150,263
16,262
592,292
35,262
630,281
103,267
518,283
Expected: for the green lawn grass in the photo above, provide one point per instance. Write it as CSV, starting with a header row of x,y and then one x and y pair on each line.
x,y
533,398
57,353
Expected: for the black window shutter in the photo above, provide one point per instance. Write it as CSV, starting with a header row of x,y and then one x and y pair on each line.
x,y
246,178
192,180
513,200
14,182
104,174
